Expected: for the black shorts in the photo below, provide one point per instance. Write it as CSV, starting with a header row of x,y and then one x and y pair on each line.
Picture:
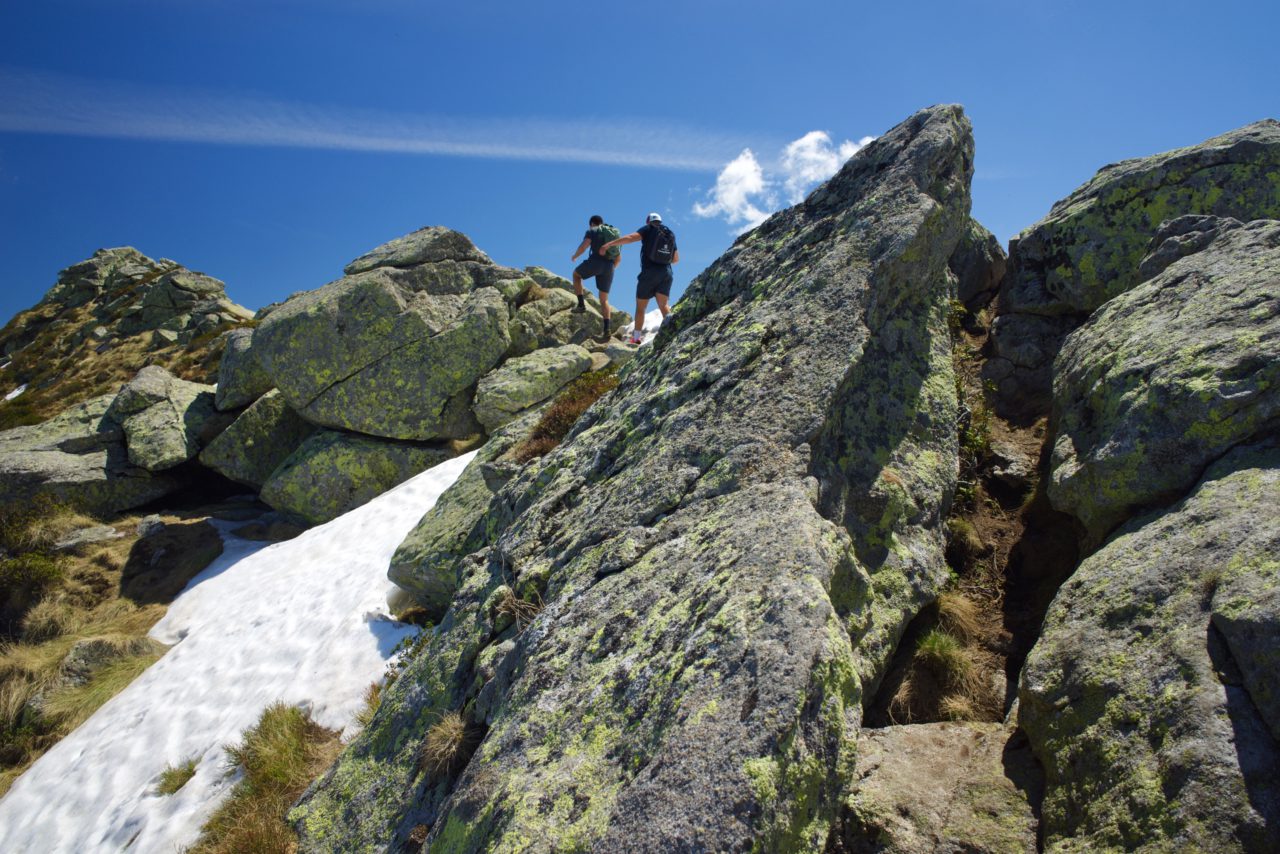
x,y
654,280
599,268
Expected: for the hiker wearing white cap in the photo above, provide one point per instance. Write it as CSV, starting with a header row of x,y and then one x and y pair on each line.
x,y
657,253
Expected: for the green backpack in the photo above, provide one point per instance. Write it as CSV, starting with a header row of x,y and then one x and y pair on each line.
x,y
608,232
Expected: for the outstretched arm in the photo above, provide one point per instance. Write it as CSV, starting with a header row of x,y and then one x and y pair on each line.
x,y
582,247
621,241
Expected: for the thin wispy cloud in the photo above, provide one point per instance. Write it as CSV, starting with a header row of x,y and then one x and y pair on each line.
x,y
51,104
746,193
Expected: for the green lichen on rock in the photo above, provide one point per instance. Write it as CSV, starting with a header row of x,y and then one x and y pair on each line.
x,y
257,442
241,379
166,420
526,381
691,681
433,243
1090,247
1134,699
331,473
79,458
1167,377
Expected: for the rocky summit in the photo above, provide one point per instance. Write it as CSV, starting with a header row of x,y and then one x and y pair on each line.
x,y
887,542
726,551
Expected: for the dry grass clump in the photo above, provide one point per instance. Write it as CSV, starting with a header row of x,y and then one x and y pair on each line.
x,y
280,757
959,616
521,611
448,744
573,400
174,777
533,293
372,700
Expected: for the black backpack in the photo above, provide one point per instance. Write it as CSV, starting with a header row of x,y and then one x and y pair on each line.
x,y
663,247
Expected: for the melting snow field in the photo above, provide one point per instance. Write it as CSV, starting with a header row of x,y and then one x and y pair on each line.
x,y
17,391
302,621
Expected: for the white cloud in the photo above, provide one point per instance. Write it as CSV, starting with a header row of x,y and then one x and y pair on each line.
x,y
731,197
744,194
32,102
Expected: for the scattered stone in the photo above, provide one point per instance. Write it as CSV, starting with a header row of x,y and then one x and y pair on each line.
x,y
272,529
87,537
89,656
166,558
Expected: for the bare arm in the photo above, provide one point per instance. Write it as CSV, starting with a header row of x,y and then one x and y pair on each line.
x,y
582,247
675,257
621,241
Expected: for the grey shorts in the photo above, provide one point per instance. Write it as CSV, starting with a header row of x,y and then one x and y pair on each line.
x,y
654,280
599,268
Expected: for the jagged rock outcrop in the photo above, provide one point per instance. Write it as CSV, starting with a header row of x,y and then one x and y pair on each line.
x,y
526,381
1088,249
926,788
726,548
1168,376
166,421
551,321
241,379
78,457
104,320
1147,715
258,442
332,472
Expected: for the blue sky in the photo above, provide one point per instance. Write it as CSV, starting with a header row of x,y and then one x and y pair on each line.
x,y
269,142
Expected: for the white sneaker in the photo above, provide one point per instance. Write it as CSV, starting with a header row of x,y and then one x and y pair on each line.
x,y
637,338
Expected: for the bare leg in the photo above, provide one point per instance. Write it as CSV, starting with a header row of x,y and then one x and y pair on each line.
x,y
604,304
641,305
662,305
577,284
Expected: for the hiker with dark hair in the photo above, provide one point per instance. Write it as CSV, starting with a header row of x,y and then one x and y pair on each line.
x,y
598,265
657,253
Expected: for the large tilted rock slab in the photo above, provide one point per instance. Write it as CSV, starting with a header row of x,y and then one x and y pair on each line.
x,y
166,420
426,564
331,473
426,245
726,550
241,379
525,381
1165,378
370,354
979,263
258,442
78,457
1142,697
955,787
1088,249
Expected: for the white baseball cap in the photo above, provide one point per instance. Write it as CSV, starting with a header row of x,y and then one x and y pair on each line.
x,y
653,217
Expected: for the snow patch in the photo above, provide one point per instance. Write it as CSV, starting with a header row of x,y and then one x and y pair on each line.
x,y
17,391
302,621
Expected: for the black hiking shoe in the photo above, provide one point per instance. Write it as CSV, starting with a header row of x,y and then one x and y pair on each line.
x,y
582,305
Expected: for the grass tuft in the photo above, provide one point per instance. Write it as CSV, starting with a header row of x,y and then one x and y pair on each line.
x,y
280,757
372,700
573,400
946,656
174,777
959,616
521,611
446,747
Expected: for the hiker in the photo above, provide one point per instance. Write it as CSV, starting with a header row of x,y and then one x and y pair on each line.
x,y
657,253
598,265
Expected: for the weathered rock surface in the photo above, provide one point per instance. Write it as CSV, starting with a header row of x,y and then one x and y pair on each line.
x,y
1167,377
726,548
526,381
166,420
979,264
944,787
424,246
428,562
168,555
241,379
78,457
258,442
1136,702
332,472
1089,248
370,353
551,321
